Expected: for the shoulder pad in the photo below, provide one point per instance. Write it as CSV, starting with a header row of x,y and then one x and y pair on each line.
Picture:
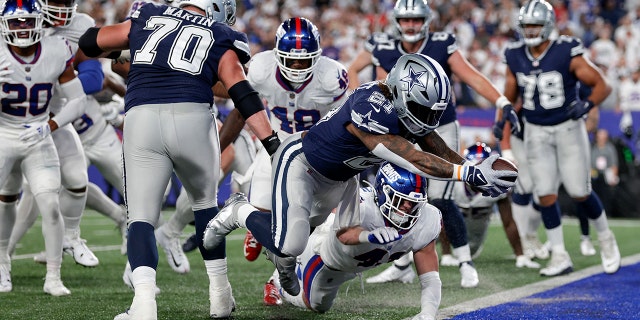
x,y
333,76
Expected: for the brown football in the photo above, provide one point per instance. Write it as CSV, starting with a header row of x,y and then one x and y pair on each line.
x,y
504,164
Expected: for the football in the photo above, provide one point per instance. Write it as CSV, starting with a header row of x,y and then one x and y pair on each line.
x,y
504,164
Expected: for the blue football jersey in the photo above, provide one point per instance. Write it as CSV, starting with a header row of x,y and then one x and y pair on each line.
x,y
175,55
439,46
337,154
546,85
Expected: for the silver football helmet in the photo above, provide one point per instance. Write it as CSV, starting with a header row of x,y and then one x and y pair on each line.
x,y
421,92
412,9
58,13
219,10
540,13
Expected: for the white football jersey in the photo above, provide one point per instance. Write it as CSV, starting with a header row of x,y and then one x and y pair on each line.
x,y
295,109
358,258
32,83
79,24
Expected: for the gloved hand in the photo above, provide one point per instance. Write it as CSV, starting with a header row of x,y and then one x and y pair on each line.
x,y
380,235
35,132
488,181
508,114
125,56
497,129
110,110
579,108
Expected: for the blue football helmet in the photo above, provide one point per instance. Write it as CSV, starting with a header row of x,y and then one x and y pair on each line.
x,y
477,153
400,194
58,13
219,10
421,92
297,39
540,13
21,22
412,9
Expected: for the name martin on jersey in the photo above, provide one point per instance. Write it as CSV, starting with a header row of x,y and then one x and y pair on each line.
x,y
184,15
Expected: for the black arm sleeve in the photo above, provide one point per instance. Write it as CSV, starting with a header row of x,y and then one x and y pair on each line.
x,y
89,43
246,99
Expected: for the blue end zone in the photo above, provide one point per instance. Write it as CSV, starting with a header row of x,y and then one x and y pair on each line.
x,y
601,296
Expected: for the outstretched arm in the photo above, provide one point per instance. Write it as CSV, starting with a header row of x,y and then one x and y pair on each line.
x,y
426,260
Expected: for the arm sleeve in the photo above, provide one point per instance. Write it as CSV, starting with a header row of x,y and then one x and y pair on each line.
x,y
76,104
91,76
431,293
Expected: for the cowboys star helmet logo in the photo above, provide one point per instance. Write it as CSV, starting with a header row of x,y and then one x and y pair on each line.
x,y
415,78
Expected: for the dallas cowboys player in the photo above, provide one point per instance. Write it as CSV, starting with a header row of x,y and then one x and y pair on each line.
x,y
395,218
544,72
411,20
169,126
315,171
31,67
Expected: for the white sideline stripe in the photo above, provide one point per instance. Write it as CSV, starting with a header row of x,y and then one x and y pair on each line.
x,y
233,237
519,293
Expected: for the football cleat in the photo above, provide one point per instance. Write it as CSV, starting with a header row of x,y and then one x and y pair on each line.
x,y
535,249
190,244
524,261
286,273
559,264
225,222
77,248
53,286
40,257
252,247
586,247
126,278
271,295
469,275
5,278
394,274
609,253
222,302
448,260
173,250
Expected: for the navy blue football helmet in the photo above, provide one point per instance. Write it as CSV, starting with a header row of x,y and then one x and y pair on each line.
x,y
400,194
21,22
477,153
58,13
297,39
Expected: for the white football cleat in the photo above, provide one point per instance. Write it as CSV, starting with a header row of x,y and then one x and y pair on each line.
x,y
524,261
394,274
126,278
469,275
53,286
141,309
173,250
559,264
5,278
448,260
221,301
40,257
225,222
77,248
535,248
586,247
609,253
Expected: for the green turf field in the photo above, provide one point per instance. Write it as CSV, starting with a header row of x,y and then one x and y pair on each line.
x,y
99,293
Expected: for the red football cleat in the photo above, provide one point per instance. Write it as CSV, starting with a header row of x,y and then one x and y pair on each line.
x,y
252,247
271,295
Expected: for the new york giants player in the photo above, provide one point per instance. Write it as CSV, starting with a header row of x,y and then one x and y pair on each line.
x,y
169,127
315,171
411,20
31,67
61,19
544,72
395,218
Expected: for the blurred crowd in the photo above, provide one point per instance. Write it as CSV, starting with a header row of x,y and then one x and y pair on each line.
x,y
609,28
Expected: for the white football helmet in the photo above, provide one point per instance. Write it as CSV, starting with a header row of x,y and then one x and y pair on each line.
x,y
219,10
21,22
412,9
540,13
421,92
58,13
400,194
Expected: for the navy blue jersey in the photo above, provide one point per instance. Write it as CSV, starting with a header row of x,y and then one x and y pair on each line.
x,y
337,154
546,85
175,55
439,46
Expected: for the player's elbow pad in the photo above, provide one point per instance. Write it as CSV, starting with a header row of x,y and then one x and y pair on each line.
x,y
89,43
246,99
91,76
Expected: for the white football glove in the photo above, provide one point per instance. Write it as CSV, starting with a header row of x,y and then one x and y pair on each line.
x,y
110,110
488,181
125,56
35,132
382,235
